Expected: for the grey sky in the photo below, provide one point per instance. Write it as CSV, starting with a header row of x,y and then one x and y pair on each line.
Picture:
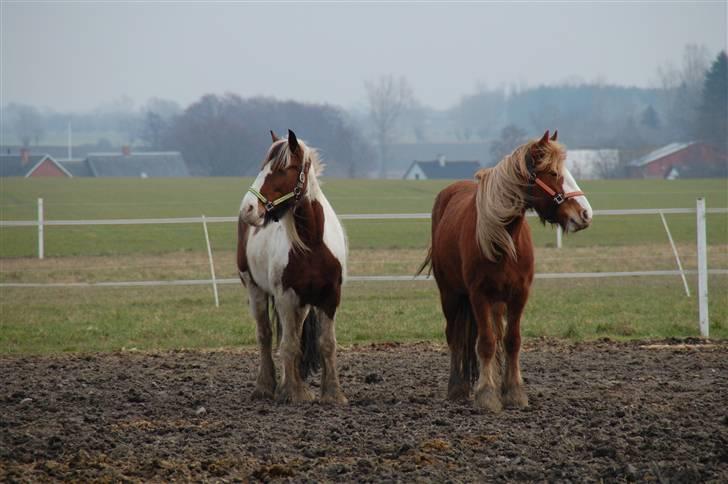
x,y
79,55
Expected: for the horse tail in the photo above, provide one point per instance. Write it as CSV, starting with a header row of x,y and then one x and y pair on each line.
x,y
462,333
310,346
463,336
427,264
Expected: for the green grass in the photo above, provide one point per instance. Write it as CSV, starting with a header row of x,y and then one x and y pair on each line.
x,y
102,319
52,320
132,198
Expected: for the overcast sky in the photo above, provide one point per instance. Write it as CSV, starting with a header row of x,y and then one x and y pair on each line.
x,y
76,56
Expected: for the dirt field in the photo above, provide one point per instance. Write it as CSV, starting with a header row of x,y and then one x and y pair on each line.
x,y
599,411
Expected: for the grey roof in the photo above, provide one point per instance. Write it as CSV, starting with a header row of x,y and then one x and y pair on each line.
x,y
77,168
153,164
659,153
456,170
12,165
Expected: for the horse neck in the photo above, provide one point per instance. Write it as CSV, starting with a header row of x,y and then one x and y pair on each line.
x,y
500,207
305,222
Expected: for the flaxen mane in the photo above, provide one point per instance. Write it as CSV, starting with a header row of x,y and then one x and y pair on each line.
x,y
501,196
279,157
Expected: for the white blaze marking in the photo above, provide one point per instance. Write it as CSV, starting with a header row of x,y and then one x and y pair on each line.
x,y
250,200
570,185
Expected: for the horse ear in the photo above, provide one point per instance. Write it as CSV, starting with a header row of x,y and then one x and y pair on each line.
x,y
555,135
545,139
292,141
273,136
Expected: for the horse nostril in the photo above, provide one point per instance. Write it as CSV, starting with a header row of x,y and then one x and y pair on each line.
x,y
585,216
250,208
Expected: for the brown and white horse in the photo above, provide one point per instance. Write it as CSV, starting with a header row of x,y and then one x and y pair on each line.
x,y
482,259
292,253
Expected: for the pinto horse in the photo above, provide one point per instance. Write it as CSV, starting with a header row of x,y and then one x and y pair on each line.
x,y
482,259
292,255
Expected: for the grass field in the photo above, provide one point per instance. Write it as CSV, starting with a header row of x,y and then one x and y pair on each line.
x,y
103,319
109,198
91,319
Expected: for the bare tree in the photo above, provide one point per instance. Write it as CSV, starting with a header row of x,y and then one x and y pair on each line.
x,y
682,88
388,99
27,122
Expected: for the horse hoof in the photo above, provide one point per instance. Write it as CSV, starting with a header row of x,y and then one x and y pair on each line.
x,y
294,395
458,394
515,398
261,394
488,400
334,398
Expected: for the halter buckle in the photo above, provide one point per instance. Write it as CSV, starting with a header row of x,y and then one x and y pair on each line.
x,y
559,198
269,206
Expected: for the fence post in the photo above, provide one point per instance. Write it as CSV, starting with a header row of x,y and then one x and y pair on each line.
x,y
212,264
41,241
702,269
559,233
677,256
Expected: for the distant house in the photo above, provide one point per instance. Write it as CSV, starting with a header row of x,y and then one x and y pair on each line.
x,y
400,155
441,169
677,159
120,164
78,168
27,165
591,164
137,165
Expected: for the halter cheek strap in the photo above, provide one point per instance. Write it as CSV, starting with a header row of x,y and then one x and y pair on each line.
x,y
295,194
558,198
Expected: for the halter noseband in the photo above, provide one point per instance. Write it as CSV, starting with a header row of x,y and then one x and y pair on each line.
x,y
296,194
558,198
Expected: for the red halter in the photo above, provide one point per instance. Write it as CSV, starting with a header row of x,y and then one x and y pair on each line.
x,y
558,198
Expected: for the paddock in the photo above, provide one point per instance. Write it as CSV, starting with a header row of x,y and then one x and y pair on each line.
x,y
152,382
599,411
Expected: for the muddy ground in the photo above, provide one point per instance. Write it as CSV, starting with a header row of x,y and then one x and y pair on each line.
x,y
599,411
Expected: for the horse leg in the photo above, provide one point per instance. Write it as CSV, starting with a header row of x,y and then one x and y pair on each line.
x,y
330,387
487,395
265,384
513,393
292,388
458,386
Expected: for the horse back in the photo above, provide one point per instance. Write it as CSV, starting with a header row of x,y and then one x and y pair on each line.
x,y
453,231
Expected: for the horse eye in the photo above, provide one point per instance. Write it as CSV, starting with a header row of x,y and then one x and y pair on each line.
x,y
554,174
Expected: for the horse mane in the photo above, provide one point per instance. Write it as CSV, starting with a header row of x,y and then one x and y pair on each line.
x,y
500,196
279,157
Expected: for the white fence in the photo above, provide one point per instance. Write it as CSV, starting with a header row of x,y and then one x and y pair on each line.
x,y
700,211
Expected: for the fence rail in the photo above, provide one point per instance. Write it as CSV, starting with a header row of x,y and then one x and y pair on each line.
x,y
351,216
392,278
700,210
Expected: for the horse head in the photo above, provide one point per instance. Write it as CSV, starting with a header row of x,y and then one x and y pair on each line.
x,y
553,192
280,184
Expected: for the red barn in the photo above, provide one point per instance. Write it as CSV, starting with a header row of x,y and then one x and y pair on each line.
x,y
27,165
679,159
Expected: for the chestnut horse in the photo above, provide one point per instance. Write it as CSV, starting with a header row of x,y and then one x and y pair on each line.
x,y
482,259
292,255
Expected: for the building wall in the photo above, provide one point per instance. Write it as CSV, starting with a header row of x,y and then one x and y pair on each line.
x,y
696,154
47,168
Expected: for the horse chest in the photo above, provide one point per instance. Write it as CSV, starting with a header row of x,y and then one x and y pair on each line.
x,y
267,255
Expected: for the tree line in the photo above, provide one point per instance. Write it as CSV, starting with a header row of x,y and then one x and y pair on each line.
x,y
222,135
